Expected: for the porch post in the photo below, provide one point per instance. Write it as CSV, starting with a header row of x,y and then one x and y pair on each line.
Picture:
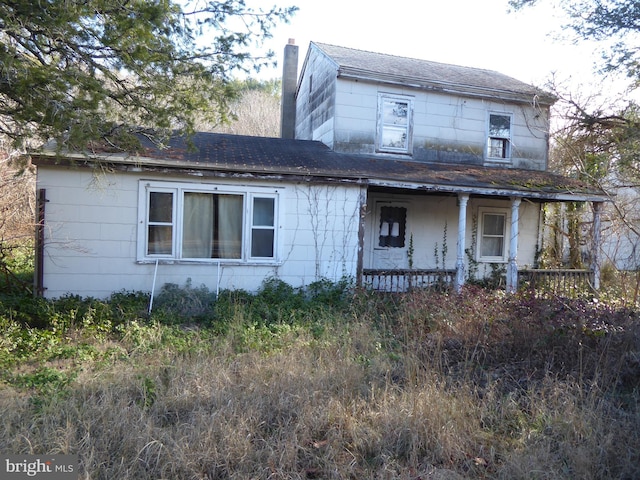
x,y
462,233
512,266
595,247
362,200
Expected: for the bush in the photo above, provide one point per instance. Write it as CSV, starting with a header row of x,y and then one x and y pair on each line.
x,y
175,304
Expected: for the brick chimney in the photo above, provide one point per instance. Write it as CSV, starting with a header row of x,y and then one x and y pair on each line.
x,y
289,84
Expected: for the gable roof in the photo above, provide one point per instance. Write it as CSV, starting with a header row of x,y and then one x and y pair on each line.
x,y
365,65
238,156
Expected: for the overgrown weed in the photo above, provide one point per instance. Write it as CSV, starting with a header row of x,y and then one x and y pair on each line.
x,y
326,382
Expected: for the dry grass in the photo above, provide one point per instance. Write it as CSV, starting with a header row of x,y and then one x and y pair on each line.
x,y
424,386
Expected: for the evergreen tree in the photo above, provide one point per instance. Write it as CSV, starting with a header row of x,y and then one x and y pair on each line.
x,y
99,70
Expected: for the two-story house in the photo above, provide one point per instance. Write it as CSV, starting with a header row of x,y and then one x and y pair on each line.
x,y
475,141
389,169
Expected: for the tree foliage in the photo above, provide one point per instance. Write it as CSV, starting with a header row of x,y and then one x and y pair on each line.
x,y
81,71
598,141
599,138
616,21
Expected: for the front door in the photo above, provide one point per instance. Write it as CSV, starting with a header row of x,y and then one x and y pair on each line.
x,y
390,236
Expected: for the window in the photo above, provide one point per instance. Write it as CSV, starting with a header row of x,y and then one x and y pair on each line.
x,y
263,229
200,222
394,123
393,225
499,141
160,224
493,231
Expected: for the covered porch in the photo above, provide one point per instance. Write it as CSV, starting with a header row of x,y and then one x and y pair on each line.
x,y
496,234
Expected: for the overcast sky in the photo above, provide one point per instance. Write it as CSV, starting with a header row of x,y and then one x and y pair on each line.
x,y
475,33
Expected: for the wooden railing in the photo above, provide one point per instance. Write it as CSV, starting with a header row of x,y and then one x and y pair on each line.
x,y
406,279
564,282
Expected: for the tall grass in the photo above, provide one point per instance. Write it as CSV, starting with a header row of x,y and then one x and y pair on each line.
x,y
330,383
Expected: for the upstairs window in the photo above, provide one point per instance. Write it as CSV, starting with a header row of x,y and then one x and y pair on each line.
x,y
499,141
394,123
205,222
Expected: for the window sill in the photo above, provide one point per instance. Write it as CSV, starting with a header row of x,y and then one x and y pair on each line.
x,y
400,153
210,263
498,161
492,260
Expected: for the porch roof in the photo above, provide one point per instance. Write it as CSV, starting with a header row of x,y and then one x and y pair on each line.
x,y
213,154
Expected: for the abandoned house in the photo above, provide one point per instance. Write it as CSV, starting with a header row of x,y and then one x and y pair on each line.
x,y
391,171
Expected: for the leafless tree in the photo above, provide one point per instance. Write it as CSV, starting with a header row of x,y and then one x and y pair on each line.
x,y
17,209
256,113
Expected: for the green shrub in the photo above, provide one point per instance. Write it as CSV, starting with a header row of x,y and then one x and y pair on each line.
x,y
16,267
175,304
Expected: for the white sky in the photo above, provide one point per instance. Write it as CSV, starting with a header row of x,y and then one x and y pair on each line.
x,y
474,33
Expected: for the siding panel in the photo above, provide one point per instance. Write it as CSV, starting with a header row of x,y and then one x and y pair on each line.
x,y
91,251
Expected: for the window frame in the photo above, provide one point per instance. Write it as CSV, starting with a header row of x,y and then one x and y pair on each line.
x,y
385,223
507,139
382,126
253,227
178,189
482,212
149,223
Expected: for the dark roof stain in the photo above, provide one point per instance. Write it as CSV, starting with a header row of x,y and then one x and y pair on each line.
x,y
425,72
305,158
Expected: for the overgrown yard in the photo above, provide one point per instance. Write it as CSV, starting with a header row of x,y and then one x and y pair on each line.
x,y
329,383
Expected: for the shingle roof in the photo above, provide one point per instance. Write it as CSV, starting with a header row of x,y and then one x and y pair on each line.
x,y
313,161
427,73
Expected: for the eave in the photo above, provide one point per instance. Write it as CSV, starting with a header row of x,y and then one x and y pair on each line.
x,y
350,73
351,169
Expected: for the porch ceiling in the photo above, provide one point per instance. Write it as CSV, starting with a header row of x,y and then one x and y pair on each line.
x,y
211,154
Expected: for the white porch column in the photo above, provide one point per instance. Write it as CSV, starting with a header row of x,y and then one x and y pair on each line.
x,y
462,233
595,247
512,266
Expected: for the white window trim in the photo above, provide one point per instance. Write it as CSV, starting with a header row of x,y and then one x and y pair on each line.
x,y
507,158
251,227
380,125
178,188
145,229
507,229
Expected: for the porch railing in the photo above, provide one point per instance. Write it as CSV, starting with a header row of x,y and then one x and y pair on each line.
x,y
563,282
404,280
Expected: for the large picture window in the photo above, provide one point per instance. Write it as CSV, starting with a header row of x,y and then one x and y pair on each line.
x,y
499,139
492,235
200,222
394,123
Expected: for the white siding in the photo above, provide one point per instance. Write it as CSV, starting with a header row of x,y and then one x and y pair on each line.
x,y
445,127
91,237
